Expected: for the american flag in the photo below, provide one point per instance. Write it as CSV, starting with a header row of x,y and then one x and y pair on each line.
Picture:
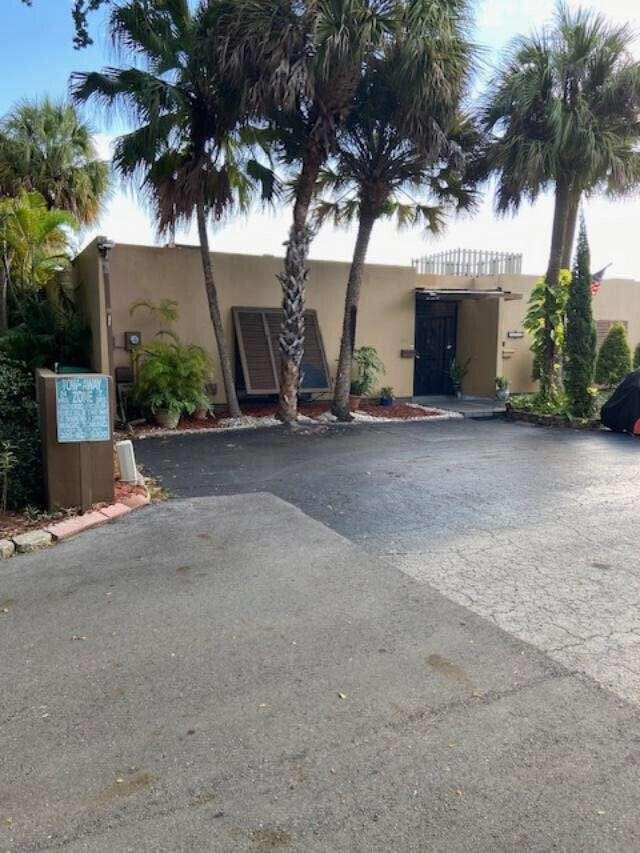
x,y
597,279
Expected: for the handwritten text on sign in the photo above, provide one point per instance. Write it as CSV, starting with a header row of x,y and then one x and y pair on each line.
x,y
82,409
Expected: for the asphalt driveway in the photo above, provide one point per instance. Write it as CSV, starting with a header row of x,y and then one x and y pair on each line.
x,y
534,529
235,671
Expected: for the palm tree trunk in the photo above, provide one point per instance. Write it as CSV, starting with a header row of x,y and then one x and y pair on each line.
x,y
293,280
214,312
340,407
570,235
548,354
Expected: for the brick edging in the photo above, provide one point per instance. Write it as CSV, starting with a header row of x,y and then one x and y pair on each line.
x,y
51,534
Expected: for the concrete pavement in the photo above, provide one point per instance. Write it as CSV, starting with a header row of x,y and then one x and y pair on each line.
x,y
229,673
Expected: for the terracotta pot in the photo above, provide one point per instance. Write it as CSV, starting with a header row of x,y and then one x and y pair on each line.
x,y
354,402
167,419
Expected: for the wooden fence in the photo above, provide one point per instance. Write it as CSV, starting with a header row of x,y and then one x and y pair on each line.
x,y
469,263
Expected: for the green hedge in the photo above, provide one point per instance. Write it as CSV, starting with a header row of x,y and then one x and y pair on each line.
x,y
19,430
614,358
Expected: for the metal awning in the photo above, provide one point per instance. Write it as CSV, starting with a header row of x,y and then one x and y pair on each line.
x,y
450,294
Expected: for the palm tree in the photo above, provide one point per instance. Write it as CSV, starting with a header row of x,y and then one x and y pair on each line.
x,y
46,147
304,61
190,153
564,112
381,171
34,245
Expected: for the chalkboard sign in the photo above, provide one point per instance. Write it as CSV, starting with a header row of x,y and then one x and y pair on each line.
x,y
82,409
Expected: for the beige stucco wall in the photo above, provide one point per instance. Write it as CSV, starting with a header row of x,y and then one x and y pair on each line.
x,y
619,299
88,280
385,319
478,325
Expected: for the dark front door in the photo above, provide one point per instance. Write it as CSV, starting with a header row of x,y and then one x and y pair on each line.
x,y
435,346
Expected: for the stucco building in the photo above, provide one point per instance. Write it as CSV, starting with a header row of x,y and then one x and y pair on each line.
x,y
418,322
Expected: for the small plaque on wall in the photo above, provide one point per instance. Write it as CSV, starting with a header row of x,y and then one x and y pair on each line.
x,y
83,409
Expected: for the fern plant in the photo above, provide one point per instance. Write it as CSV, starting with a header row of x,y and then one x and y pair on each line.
x,y
171,376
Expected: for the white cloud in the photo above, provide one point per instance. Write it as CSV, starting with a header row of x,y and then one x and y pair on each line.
x,y
103,143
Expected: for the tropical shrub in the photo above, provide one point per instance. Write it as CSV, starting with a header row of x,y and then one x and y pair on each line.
x,y
171,376
580,335
368,367
614,358
636,357
19,436
45,331
547,301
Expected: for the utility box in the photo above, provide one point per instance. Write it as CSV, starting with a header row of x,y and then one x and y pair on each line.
x,y
77,439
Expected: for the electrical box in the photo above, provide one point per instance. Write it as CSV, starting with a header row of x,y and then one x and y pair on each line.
x,y
132,340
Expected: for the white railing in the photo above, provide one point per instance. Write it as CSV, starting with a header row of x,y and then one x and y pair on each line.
x,y
469,263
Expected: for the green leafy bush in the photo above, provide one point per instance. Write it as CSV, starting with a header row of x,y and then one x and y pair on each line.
x,y
43,333
171,376
367,368
19,434
537,404
542,299
636,358
614,358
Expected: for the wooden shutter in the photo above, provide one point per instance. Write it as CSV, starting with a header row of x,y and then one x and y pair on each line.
x,y
257,331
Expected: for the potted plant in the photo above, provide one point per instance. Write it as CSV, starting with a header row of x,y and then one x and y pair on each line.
x,y
457,372
386,396
367,367
502,388
170,378
204,408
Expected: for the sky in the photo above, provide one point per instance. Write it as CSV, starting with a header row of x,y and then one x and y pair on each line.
x,y
37,57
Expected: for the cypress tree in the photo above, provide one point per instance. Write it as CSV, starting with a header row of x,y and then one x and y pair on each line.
x,y
580,335
614,358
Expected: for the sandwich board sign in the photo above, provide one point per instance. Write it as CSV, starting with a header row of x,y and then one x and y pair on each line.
x,y
83,409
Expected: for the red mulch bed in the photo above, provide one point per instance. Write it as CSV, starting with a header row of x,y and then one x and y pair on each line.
x,y
13,523
399,411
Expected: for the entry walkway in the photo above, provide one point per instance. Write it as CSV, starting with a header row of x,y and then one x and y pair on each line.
x,y
227,673
468,407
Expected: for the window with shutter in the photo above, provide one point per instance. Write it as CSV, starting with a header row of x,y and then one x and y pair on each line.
x,y
257,331
603,327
